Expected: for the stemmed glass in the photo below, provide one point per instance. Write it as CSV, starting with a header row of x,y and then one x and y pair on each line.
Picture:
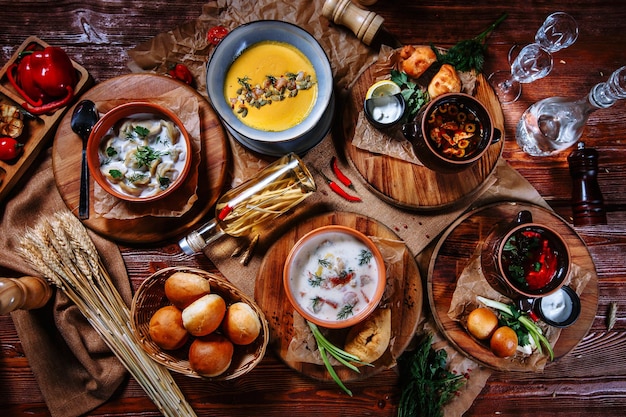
x,y
534,61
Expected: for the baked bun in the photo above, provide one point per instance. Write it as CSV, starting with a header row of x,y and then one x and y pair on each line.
x,y
445,81
415,60
183,288
369,339
211,355
241,324
166,328
204,315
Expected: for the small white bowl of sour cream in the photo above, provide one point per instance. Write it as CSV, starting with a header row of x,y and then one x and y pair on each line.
x,y
334,276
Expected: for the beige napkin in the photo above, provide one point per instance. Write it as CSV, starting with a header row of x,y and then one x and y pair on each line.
x,y
74,368
349,58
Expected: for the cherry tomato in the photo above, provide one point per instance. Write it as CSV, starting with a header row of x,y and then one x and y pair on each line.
x,y
182,73
216,34
10,149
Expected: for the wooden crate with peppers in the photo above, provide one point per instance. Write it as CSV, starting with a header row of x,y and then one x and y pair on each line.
x,y
37,86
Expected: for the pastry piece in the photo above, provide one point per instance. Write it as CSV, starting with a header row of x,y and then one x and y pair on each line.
x,y
211,355
166,328
183,288
204,315
415,60
241,324
445,81
369,339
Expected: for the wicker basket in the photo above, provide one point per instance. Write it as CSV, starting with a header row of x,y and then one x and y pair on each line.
x,y
151,296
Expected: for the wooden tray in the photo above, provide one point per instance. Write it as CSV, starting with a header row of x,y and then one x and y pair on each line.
x,y
454,250
66,159
37,129
270,295
414,186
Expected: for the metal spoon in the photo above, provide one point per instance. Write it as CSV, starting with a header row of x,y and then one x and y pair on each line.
x,y
84,118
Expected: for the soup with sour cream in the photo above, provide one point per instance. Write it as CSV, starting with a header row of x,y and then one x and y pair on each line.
x,y
335,279
271,86
142,155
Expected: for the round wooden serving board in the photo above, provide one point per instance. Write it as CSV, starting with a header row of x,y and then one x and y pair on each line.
x,y
452,254
405,302
413,186
66,159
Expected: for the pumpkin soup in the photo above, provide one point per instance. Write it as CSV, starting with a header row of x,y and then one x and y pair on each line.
x,y
271,86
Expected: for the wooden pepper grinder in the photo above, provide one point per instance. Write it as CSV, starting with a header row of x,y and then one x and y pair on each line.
x,y
26,293
363,23
587,200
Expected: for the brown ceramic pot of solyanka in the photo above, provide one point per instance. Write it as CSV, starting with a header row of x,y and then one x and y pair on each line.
x,y
452,132
523,259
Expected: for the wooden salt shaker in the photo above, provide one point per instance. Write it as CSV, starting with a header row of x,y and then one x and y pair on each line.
x,y
26,293
363,23
587,200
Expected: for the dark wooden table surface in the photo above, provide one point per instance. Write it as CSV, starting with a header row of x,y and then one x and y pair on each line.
x,y
590,381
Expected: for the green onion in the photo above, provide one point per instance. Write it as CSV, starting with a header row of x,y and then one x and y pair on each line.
x,y
347,359
533,330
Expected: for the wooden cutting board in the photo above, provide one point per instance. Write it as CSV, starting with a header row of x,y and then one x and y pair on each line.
x,y
413,186
66,159
406,301
452,254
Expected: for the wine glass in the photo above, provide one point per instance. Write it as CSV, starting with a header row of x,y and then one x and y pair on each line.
x,y
534,61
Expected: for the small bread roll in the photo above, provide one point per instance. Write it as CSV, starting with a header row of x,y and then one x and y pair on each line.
x,y
241,324
445,81
369,339
183,288
415,60
211,355
166,328
204,315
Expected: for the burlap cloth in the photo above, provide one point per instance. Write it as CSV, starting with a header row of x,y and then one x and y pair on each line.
x,y
72,365
74,368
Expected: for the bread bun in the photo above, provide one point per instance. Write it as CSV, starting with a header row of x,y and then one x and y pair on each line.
x,y
369,339
415,60
204,315
166,328
241,324
503,343
481,323
183,288
211,355
445,81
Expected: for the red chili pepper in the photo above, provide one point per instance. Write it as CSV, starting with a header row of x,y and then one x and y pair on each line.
x,y
182,73
338,190
216,34
340,175
45,79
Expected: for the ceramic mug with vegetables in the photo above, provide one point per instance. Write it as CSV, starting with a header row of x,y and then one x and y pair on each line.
x,y
452,132
525,259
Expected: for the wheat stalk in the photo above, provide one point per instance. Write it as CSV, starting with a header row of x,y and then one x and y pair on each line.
x,y
62,251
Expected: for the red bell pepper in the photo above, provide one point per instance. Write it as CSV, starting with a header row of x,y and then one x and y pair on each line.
x,y
44,78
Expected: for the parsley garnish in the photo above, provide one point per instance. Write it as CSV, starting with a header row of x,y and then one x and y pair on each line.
x,y
315,280
426,383
141,131
145,155
470,53
413,94
164,182
115,173
325,263
110,151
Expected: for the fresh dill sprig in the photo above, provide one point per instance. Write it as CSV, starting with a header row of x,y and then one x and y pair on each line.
x,y
470,53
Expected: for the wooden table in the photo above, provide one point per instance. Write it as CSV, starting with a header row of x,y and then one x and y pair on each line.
x,y
589,381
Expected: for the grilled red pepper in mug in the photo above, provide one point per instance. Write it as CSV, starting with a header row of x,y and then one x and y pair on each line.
x,y
44,78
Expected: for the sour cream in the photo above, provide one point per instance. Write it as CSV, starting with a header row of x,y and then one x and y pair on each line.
x,y
335,278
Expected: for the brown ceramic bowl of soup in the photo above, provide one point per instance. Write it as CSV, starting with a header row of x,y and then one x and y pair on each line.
x,y
334,276
452,132
139,152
